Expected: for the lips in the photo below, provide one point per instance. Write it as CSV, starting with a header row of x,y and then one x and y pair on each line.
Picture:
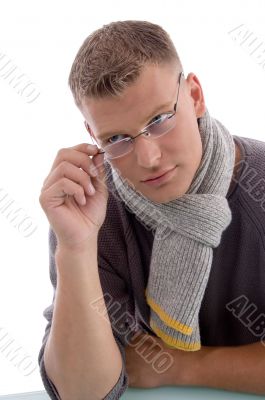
x,y
157,176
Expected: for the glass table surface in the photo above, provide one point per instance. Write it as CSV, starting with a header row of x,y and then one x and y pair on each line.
x,y
165,393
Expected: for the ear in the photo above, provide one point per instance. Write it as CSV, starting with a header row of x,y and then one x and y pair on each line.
x,y
91,133
196,94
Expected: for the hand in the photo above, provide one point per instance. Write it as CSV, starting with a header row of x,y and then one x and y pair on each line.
x,y
148,361
68,182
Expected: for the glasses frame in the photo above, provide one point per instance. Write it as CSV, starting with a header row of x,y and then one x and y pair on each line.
x,y
143,131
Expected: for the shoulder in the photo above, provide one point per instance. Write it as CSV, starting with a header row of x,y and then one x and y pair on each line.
x,y
251,179
252,152
252,163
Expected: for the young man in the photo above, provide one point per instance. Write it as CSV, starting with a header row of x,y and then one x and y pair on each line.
x,y
160,230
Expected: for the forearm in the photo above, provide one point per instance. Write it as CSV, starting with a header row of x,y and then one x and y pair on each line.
x,y
237,368
81,356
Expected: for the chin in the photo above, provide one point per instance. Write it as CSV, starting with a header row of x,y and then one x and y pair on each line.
x,y
170,191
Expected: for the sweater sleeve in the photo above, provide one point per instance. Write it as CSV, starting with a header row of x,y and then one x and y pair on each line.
x,y
114,287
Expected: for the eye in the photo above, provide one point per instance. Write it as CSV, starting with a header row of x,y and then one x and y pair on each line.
x,y
116,139
158,119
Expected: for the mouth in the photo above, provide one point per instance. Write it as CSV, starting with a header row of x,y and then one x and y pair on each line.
x,y
162,178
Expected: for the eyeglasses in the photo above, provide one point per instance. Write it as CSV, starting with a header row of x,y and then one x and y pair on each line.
x,y
162,125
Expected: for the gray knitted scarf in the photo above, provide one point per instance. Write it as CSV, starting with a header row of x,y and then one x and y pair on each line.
x,y
186,230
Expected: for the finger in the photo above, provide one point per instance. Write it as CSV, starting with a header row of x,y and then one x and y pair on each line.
x,y
98,161
80,159
70,171
100,180
82,147
57,193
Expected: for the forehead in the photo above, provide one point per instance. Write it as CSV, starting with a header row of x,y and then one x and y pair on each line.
x,y
155,86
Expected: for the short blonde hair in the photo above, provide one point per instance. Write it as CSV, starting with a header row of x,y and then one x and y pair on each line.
x,y
112,57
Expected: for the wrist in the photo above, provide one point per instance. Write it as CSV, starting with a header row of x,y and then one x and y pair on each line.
x,y
78,257
193,369
78,248
186,368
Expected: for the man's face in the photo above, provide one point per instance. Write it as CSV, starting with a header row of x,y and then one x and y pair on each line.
x,y
179,150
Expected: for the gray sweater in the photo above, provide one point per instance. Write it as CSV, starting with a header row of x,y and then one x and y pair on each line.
x,y
234,302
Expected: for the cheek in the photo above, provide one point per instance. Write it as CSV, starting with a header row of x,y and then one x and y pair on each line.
x,y
197,148
176,148
187,143
191,158
125,169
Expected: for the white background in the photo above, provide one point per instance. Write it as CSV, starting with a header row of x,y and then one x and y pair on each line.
x,y
42,39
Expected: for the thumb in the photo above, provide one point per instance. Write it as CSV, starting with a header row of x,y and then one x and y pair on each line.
x,y
98,161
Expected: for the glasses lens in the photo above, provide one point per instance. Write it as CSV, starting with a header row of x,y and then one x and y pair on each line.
x,y
157,129
118,149
160,128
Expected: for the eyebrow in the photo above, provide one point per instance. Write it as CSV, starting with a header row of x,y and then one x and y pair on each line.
x,y
153,114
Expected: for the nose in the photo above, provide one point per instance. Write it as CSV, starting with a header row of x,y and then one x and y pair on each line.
x,y
147,152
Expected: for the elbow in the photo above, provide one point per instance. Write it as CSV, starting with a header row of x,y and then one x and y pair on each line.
x,y
102,388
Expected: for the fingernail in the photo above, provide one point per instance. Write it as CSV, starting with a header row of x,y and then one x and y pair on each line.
x,y
91,188
93,146
93,171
